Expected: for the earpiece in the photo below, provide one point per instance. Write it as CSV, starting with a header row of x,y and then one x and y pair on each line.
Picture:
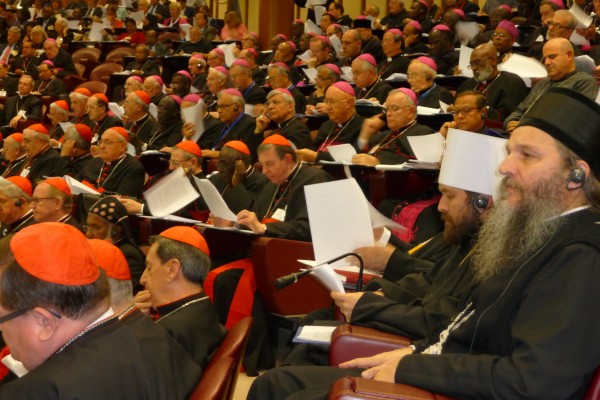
x,y
480,203
576,176
236,109
19,203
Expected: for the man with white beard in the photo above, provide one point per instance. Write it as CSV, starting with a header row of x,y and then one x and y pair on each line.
x,y
528,331
503,90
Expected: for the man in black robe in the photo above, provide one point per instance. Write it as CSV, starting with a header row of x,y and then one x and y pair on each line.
x,y
142,126
22,106
393,48
15,197
176,266
40,162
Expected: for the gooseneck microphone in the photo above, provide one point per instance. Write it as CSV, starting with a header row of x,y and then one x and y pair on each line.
x,y
287,280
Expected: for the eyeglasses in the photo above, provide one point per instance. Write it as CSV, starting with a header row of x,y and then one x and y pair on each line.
x,y
556,25
36,200
394,108
178,162
107,142
464,111
500,35
220,106
18,313
478,63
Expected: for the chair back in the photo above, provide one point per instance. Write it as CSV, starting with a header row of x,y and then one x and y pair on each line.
x,y
86,53
215,380
103,71
117,55
94,86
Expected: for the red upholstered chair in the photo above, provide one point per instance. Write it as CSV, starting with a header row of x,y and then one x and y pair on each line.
x,y
80,68
215,380
88,57
103,71
593,392
117,55
273,258
350,341
72,81
350,388
398,184
220,372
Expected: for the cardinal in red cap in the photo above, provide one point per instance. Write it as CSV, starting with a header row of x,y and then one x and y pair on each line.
x,y
16,211
14,155
176,266
53,202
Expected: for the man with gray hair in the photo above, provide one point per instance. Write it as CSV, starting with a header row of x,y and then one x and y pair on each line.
x,y
40,163
240,74
280,77
139,121
79,98
15,198
368,83
75,150
562,25
153,85
281,110
14,155
238,125
22,106
12,48
176,266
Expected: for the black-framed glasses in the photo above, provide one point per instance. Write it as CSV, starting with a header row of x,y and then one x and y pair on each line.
x,y
478,63
18,313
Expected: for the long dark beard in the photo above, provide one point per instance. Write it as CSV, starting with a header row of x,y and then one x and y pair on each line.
x,y
512,234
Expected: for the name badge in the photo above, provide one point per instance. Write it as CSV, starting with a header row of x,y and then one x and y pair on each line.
x,y
279,214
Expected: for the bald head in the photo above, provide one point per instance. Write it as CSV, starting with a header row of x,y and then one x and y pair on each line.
x,y
558,58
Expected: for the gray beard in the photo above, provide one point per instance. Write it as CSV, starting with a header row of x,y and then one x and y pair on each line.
x,y
512,234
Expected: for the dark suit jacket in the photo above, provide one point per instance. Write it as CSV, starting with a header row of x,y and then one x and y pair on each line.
x,y
29,67
63,62
16,51
55,87
126,178
31,104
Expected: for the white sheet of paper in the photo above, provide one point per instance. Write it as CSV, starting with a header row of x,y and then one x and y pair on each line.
x,y
342,152
314,334
186,29
311,27
314,3
466,30
444,106
378,219
336,43
73,24
153,110
392,167
326,275
427,147
138,16
305,56
525,67
427,110
195,115
464,60
578,40
116,109
583,20
339,219
170,194
347,74
311,73
213,199
95,34
249,109
397,77
65,125
228,50
319,11
78,187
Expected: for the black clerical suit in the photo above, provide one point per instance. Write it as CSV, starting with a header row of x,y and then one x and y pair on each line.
x,y
124,176
331,133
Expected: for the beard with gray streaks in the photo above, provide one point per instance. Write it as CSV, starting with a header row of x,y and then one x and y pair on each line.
x,y
512,233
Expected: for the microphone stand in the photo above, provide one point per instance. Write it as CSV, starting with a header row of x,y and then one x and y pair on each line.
x,y
287,280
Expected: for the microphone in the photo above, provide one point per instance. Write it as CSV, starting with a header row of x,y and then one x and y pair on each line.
x,y
287,280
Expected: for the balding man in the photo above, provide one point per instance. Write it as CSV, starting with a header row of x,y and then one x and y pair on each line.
x,y
22,106
169,118
503,90
286,53
281,110
40,163
197,68
176,265
238,125
140,123
48,84
441,49
321,51
142,65
14,155
397,14
392,45
114,170
196,44
351,47
15,198
559,61
391,145
368,83
52,201
343,125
